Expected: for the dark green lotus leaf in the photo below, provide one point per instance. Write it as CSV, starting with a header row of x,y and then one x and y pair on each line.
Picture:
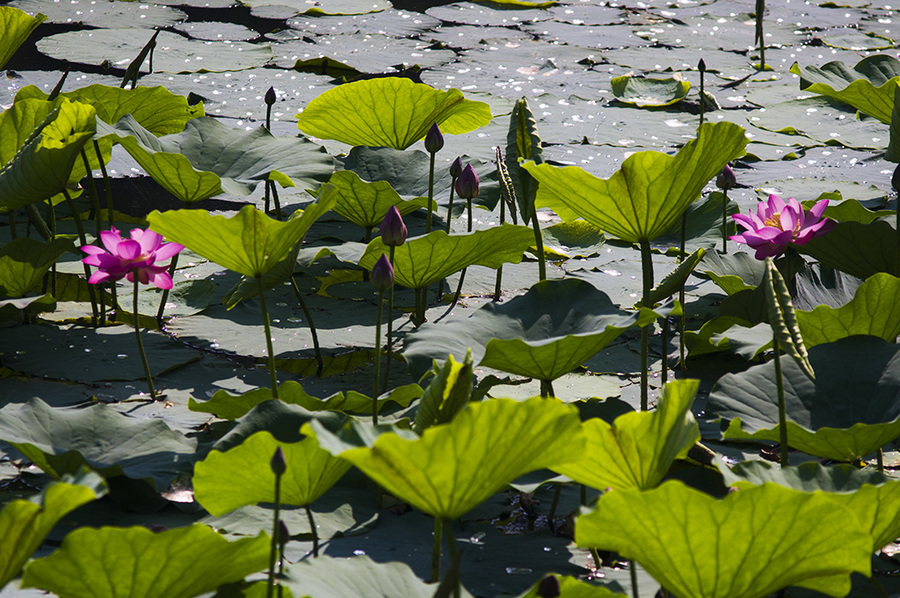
x,y
858,249
851,409
61,441
25,523
674,281
364,203
454,467
241,476
332,7
638,448
228,406
133,561
729,333
424,260
572,587
704,224
16,25
847,210
699,546
208,158
870,495
547,332
11,309
868,86
874,310
643,199
643,92
733,272
567,240
389,112
280,419
24,261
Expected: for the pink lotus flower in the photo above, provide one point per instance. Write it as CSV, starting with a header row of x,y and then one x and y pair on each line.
x,y
127,258
777,225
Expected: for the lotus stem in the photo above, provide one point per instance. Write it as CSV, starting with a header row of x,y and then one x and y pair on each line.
x,y
377,385
555,503
879,456
436,550
725,221
701,66
390,328
664,342
87,271
165,294
547,388
320,362
140,343
450,205
268,329
315,531
539,244
281,544
51,221
897,248
430,214
451,541
498,283
266,200
632,566
782,408
647,270
760,9
98,219
683,318
275,200
109,197
273,549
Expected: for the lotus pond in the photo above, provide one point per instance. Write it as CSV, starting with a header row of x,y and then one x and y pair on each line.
x,y
357,298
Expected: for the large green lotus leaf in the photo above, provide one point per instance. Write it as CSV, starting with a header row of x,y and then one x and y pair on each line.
x,y
24,261
11,309
243,475
227,406
364,203
389,112
851,409
25,523
572,587
868,86
42,165
729,333
873,497
733,272
110,562
426,259
16,25
643,92
858,249
249,242
62,441
208,158
875,310
703,226
847,210
566,240
638,449
156,108
454,467
747,545
644,198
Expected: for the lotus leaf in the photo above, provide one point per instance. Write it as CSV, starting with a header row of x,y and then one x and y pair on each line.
x,y
858,249
179,563
334,7
454,467
638,448
703,224
11,309
847,210
850,410
25,523
389,112
523,143
733,272
16,25
747,545
449,391
23,262
649,193
364,203
566,240
426,259
572,587
643,92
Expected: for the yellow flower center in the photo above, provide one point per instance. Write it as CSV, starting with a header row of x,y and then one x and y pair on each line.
x,y
774,220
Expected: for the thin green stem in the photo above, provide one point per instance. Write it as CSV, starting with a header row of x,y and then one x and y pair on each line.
x,y
451,541
320,362
450,205
165,294
547,388
390,328
274,545
140,343
268,328
436,550
430,214
539,243
664,341
87,270
702,93
95,197
782,409
724,221
647,271
499,280
315,531
880,459
555,503
683,318
897,248
51,221
109,197
376,385
632,566
275,200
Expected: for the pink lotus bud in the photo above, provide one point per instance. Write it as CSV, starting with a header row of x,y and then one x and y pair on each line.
x,y
382,274
434,141
278,463
456,168
726,179
393,230
467,183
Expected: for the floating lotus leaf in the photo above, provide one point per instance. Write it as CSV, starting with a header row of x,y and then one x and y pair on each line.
x,y
16,25
698,546
643,199
61,441
242,475
110,562
733,272
643,92
24,261
847,210
389,112
851,409
25,523
364,203
454,467
566,240
333,7
11,309
855,248
638,449
703,226
429,258
249,242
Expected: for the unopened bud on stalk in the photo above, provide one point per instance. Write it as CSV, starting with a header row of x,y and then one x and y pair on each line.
x,y
284,535
467,183
382,274
270,96
456,168
393,230
434,141
278,464
701,66
726,179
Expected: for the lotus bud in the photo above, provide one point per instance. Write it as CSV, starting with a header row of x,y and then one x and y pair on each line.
x,y
382,274
270,96
278,464
701,66
549,587
434,141
284,535
456,168
467,183
393,230
726,179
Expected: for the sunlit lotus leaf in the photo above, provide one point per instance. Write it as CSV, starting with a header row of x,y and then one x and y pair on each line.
x,y
868,86
847,210
572,587
426,259
389,112
873,497
242,475
16,25
874,310
42,165
25,523
61,441
547,332
364,203
855,248
24,261
733,272
642,92
448,392
208,157
454,467
110,562
643,199
250,242
566,240
851,409
638,449
747,545
227,406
